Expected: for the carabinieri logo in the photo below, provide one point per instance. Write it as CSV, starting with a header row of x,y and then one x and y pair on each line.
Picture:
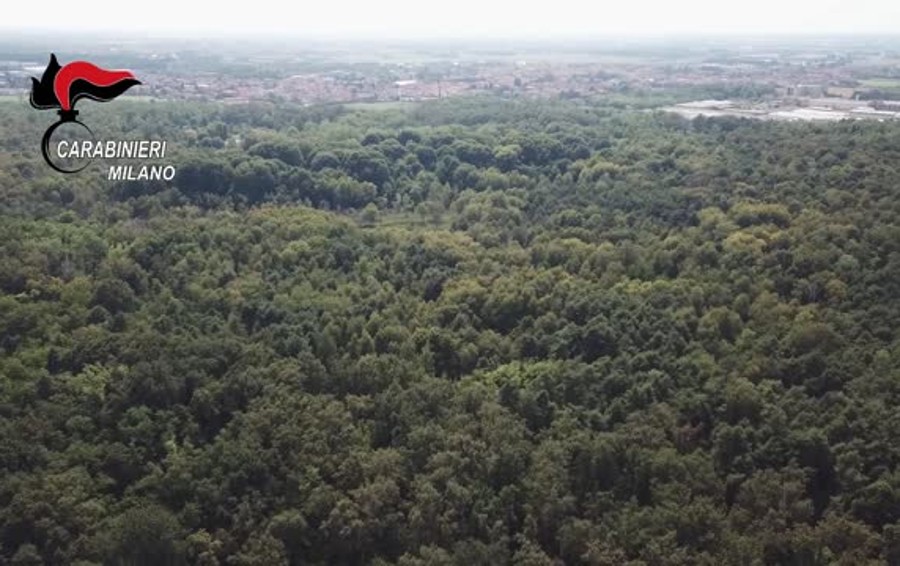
x,y
62,87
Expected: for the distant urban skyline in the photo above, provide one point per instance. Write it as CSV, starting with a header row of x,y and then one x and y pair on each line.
x,y
461,18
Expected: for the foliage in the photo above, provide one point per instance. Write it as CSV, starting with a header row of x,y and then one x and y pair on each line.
x,y
478,332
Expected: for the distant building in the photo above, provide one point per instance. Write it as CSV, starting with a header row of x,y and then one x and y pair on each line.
x,y
809,90
841,92
708,104
893,105
868,112
809,114
400,85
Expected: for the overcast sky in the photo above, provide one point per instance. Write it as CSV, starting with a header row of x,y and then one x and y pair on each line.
x,y
458,18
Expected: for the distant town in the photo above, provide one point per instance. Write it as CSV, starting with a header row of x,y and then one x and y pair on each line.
x,y
816,80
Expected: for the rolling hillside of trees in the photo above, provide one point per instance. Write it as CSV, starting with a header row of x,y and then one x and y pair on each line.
x,y
466,332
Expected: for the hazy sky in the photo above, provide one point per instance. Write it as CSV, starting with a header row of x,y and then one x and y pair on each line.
x,y
459,18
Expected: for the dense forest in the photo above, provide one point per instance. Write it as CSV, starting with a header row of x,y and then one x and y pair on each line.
x,y
476,331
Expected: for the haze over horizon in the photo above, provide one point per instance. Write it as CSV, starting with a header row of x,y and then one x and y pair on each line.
x,y
464,18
